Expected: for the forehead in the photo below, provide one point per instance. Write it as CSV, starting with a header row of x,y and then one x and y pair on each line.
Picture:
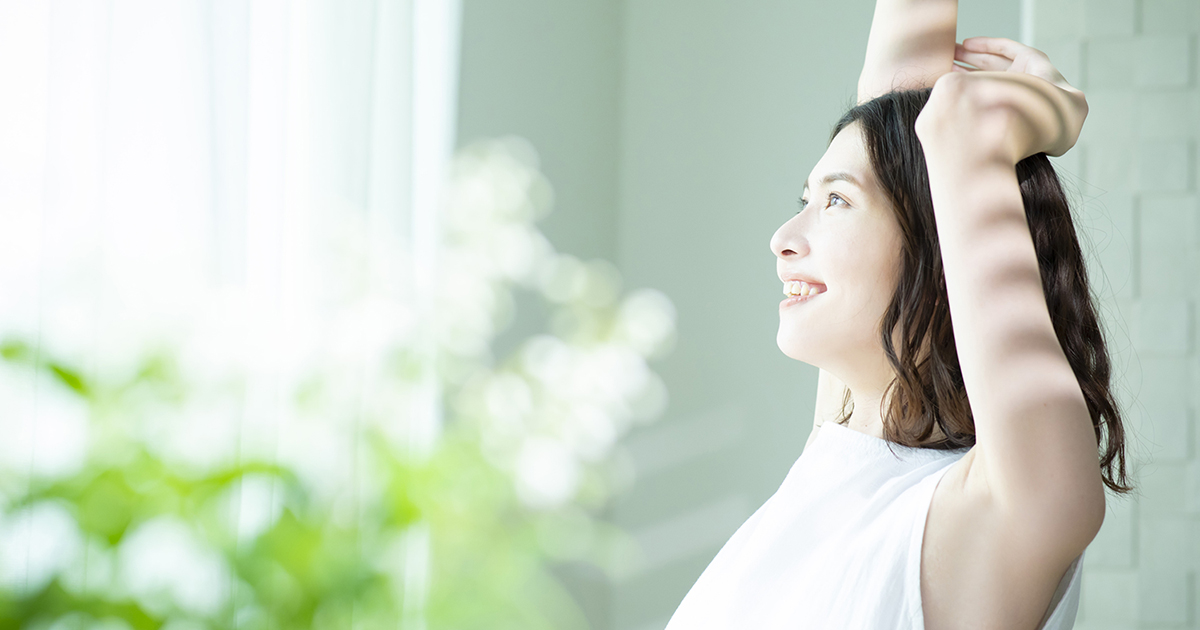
x,y
846,154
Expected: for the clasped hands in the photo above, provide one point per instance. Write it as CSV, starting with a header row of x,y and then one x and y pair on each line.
x,y
1016,104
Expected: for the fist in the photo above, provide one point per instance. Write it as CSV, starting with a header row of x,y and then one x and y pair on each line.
x,y
1015,104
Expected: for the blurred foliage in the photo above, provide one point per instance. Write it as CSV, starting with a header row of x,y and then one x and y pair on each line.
x,y
462,535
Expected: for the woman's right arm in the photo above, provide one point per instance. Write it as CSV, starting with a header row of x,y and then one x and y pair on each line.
x,y
910,46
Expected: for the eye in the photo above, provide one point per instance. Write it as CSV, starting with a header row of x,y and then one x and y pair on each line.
x,y
832,196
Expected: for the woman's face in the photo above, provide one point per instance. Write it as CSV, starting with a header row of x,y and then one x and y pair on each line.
x,y
846,239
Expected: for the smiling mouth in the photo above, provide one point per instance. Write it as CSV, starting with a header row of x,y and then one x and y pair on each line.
x,y
798,291
800,287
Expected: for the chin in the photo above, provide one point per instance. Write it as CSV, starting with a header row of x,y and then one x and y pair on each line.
x,y
794,347
814,349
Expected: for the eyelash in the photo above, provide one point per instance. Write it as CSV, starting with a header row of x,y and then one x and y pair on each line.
x,y
804,202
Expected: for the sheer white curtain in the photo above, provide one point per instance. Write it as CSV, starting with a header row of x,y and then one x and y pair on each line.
x,y
253,182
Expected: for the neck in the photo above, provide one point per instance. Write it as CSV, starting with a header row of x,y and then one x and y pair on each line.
x,y
866,417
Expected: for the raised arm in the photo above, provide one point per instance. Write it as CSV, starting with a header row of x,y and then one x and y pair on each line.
x,y
910,46
1035,457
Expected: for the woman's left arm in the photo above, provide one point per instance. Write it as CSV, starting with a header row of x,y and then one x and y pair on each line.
x,y
1036,452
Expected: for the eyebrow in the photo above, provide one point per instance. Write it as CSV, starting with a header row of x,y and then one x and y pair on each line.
x,y
836,176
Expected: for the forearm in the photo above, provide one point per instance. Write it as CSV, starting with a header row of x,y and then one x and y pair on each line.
x,y
991,269
1031,420
911,44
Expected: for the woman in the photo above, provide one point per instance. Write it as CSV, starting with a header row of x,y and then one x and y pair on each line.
x,y
934,276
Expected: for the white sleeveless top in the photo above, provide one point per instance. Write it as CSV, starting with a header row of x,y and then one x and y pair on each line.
x,y
838,546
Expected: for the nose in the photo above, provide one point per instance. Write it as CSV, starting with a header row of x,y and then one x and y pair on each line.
x,y
788,240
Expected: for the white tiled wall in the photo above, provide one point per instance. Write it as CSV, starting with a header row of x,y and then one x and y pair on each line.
x,y
1135,177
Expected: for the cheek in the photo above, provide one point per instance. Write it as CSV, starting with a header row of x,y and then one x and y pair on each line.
x,y
875,253
863,262
866,275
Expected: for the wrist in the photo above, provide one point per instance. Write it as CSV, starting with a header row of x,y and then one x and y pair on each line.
x,y
985,186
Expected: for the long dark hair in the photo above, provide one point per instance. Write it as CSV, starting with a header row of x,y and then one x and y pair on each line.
x,y
929,390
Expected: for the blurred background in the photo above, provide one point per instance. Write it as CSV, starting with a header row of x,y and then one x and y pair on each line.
x,y
461,314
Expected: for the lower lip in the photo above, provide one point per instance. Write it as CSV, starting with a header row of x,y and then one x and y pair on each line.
x,y
796,300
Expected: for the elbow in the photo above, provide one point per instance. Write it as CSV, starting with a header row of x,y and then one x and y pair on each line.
x,y
1088,517
1067,520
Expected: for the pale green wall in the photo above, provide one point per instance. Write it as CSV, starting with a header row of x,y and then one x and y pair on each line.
x,y
676,134
548,70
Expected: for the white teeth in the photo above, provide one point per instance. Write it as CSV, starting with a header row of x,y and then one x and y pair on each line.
x,y
799,287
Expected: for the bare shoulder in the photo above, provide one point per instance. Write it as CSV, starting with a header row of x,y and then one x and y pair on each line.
x,y
978,568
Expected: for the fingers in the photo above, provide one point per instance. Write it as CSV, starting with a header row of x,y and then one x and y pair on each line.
x,y
994,45
982,60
